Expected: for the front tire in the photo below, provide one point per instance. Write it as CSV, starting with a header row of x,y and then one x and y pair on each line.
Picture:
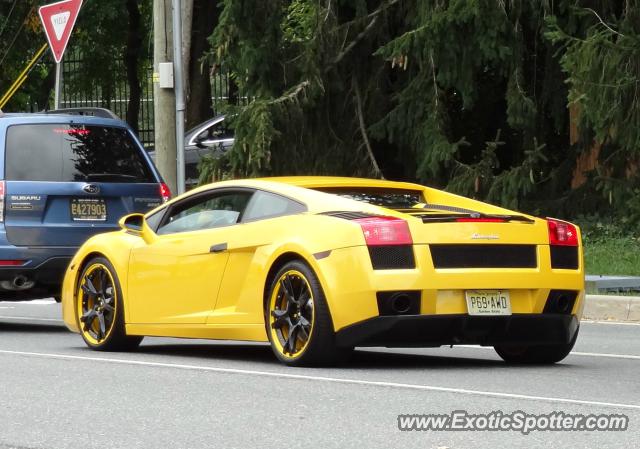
x,y
99,308
541,355
298,320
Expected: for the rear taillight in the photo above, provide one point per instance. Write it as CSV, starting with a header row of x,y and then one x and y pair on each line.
x,y
12,263
384,231
165,193
1,201
562,233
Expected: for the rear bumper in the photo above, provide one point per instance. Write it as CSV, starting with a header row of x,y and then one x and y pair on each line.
x,y
41,275
439,330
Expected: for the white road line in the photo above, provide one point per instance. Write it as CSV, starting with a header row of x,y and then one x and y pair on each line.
x,y
324,379
34,302
604,354
30,318
586,354
611,323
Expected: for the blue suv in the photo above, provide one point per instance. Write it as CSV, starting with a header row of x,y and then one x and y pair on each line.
x,y
65,176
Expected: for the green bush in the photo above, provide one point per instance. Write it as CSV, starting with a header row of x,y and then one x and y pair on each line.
x,y
611,247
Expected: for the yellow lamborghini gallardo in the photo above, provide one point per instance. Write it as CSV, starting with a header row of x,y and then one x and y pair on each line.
x,y
320,265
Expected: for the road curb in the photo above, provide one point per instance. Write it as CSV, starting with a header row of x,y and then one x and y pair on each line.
x,y
612,308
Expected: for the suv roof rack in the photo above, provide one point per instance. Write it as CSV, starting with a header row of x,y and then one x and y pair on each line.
x,y
93,112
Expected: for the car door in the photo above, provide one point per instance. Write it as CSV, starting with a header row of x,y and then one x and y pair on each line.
x,y
175,278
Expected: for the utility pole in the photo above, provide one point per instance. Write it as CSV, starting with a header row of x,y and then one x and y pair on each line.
x,y
178,75
164,98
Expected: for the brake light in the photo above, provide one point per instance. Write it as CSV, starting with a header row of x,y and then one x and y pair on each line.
x,y
562,233
1,201
12,263
383,231
165,193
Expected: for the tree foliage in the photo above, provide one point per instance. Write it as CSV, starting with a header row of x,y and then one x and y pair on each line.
x,y
469,95
20,39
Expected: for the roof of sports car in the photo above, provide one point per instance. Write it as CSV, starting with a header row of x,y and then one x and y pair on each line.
x,y
299,187
336,181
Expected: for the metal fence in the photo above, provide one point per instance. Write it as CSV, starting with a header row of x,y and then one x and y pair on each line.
x,y
112,92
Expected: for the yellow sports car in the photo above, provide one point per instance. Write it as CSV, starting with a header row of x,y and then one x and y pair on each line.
x,y
320,265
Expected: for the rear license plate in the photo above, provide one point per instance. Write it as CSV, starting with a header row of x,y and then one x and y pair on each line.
x,y
488,302
88,209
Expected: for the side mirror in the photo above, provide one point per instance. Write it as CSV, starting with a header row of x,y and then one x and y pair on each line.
x,y
132,223
137,225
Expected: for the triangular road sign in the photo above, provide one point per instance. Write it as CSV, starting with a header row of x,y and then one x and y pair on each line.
x,y
58,20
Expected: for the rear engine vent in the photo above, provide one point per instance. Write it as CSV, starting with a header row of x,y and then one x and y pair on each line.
x,y
560,301
348,215
392,256
484,256
399,303
565,257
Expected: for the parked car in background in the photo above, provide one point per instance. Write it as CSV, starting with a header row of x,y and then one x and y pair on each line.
x,y
65,175
211,138
320,265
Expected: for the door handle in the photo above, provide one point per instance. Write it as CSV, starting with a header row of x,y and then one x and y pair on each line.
x,y
220,247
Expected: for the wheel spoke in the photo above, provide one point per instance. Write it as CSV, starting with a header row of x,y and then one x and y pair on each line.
x,y
281,318
103,280
290,345
287,289
88,317
108,307
88,287
304,322
304,297
102,327
303,335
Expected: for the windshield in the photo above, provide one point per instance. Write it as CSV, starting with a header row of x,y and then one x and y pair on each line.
x,y
389,198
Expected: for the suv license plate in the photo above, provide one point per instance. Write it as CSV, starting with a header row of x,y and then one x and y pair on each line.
x,y
88,209
488,302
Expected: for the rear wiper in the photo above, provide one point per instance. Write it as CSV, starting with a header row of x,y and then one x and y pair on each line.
x,y
109,177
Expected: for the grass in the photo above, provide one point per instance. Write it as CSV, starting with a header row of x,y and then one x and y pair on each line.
x,y
612,256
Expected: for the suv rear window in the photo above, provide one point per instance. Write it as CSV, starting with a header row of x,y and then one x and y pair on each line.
x,y
68,153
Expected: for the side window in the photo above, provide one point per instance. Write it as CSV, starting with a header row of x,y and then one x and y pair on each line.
x,y
267,205
206,212
217,131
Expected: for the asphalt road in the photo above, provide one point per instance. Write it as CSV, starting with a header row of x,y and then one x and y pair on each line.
x,y
56,394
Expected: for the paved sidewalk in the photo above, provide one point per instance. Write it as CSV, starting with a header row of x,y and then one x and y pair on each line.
x,y
612,308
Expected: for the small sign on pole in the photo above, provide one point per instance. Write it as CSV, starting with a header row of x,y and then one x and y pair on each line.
x,y
58,20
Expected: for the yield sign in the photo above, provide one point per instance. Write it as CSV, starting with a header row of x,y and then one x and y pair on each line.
x,y
58,20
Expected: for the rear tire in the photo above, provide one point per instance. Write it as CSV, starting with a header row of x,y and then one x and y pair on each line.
x,y
298,320
541,355
100,310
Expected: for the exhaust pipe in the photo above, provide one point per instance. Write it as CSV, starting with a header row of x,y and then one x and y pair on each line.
x,y
400,303
562,304
19,283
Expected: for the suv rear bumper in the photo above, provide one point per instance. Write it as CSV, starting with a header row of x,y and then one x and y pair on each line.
x,y
40,276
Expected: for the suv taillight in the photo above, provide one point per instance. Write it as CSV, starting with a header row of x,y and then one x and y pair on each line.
x,y
165,193
384,231
1,201
562,233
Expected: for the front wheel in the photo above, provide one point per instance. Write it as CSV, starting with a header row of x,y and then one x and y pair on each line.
x,y
99,308
542,354
298,320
